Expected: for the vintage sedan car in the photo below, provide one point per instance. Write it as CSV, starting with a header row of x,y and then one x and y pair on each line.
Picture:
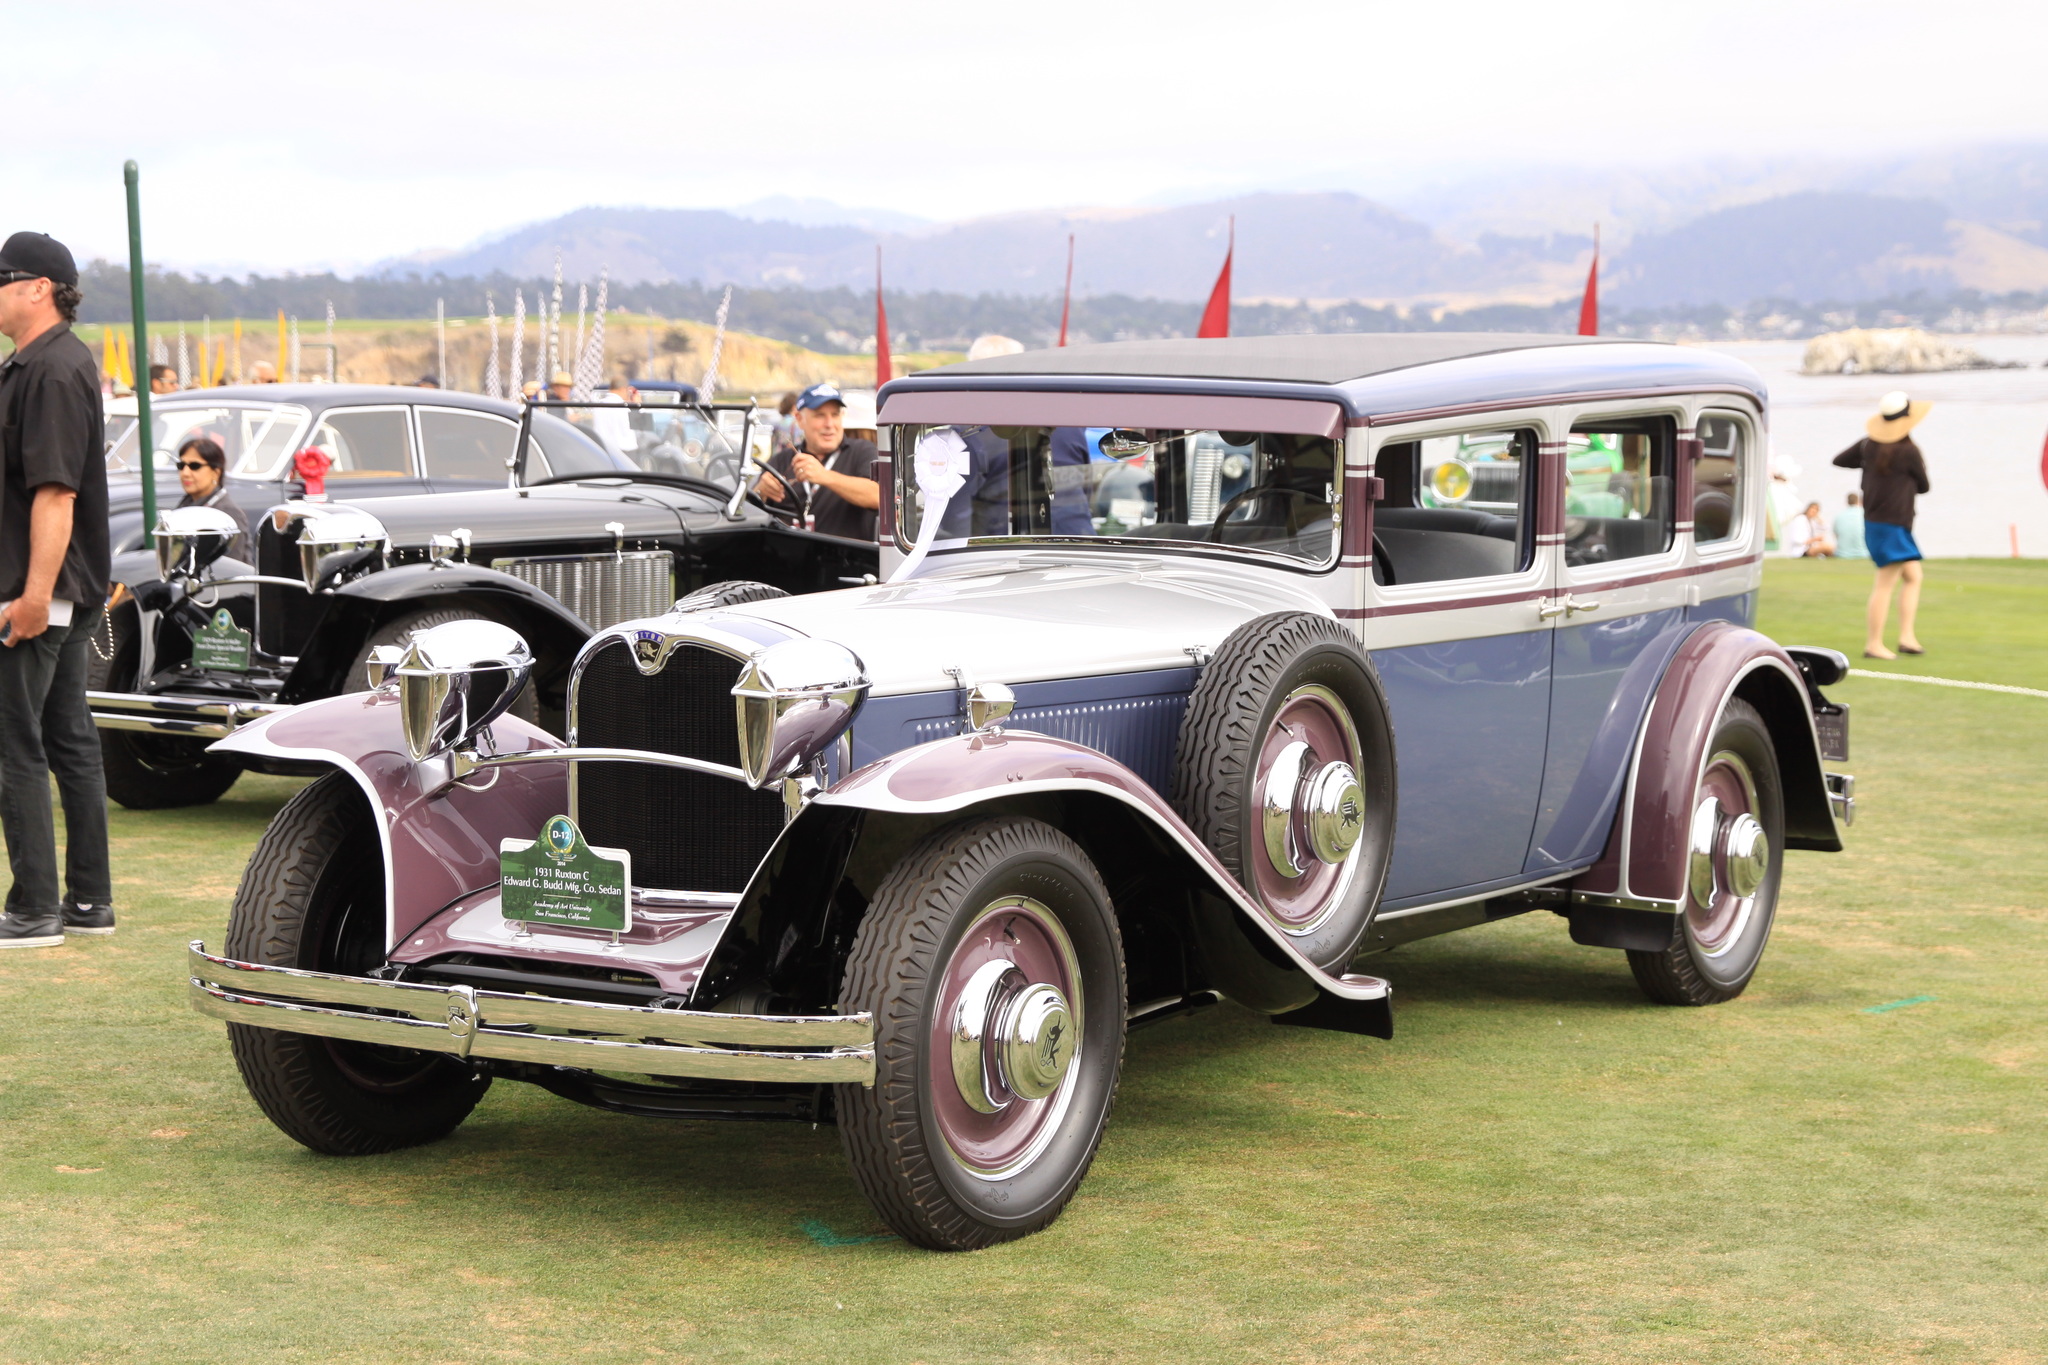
x,y
384,440
914,857
614,512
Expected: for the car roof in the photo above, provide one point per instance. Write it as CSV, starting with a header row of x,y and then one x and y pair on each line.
x,y
337,395
1368,373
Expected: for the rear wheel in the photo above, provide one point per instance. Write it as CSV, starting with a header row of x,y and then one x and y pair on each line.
x,y
313,897
146,771
1736,860
991,962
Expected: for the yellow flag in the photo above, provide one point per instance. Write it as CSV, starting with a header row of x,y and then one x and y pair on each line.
x,y
107,356
239,374
281,357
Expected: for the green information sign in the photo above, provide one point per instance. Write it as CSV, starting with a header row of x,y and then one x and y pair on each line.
x,y
221,645
559,879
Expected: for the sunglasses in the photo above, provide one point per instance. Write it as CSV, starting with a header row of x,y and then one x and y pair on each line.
x,y
194,465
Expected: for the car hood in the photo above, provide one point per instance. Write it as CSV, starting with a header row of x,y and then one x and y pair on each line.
x,y
559,511
1031,620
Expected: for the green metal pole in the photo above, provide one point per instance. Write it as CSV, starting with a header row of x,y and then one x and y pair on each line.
x,y
145,432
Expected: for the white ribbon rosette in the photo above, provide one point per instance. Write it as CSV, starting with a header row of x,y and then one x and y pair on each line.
x,y
941,461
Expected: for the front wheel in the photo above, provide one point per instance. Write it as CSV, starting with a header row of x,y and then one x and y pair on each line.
x,y
313,897
1735,860
991,961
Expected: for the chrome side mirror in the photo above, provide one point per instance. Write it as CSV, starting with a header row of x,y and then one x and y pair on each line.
x,y
793,700
989,705
454,680
190,538
335,545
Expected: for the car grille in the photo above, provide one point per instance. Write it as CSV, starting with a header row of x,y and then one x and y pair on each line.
x,y
686,831
602,589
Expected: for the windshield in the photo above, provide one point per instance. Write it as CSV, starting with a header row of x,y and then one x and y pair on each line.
x,y
256,436
662,436
1258,490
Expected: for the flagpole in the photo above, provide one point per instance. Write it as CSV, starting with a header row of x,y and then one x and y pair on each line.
x,y
145,433
1067,300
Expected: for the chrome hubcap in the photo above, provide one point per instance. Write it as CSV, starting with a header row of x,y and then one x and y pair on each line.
x,y
1010,1038
1728,854
1310,811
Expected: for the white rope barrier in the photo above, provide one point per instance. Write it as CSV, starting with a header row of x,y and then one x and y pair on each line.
x,y
1947,682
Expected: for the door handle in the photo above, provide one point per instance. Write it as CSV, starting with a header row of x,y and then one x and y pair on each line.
x,y
1573,604
1550,608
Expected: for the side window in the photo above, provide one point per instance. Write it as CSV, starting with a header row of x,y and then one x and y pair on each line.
x,y
1717,480
1455,507
1618,489
465,445
366,443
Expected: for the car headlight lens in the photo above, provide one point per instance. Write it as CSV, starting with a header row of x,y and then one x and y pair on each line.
x,y
793,700
455,679
190,538
336,544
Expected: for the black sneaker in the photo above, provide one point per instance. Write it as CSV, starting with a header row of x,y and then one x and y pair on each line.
x,y
31,931
88,919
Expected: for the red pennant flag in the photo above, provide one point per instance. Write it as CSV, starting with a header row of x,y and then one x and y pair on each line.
x,y
1216,317
1067,301
884,369
1589,307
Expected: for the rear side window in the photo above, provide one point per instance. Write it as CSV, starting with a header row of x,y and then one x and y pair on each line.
x,y
1618,489
1455,507
1717,480
465,445
366,443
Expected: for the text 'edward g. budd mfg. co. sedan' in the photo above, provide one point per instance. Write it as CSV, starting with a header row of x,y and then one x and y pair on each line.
x,y
1201,669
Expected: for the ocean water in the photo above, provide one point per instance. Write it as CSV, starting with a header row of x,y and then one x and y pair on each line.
x,y
1982,440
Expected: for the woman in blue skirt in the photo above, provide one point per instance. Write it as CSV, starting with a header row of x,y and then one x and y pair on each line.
x,y
1894,474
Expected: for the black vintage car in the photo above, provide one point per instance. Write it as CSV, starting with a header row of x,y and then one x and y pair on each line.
x,y
205,634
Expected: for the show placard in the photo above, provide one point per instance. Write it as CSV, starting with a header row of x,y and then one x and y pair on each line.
x,y
559,879
221,645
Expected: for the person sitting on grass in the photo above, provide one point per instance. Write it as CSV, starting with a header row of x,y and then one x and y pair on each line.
x,y
1807,536
1849,530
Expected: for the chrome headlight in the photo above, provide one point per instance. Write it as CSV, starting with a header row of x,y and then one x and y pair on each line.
x,y
335,544
190,538
793,700
455,679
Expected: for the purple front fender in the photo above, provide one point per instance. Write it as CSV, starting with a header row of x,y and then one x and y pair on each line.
x,y
440,841
960,774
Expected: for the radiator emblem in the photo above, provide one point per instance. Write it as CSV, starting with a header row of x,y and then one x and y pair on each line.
x,y
651,649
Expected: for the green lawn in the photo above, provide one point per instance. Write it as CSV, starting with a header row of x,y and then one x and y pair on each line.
x,y
1539,1167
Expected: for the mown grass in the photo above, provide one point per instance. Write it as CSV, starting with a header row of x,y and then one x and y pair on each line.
x,y
1539,1167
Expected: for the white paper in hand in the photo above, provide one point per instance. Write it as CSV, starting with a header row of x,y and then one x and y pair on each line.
x,y
941,461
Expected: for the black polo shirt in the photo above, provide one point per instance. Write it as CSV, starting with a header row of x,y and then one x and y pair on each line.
x,y
833,515
52,431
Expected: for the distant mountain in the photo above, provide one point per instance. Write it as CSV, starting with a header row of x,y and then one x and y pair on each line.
x,y
1684,235
1820,246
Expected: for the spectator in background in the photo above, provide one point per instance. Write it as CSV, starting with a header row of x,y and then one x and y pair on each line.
x,y
203,474
829,479
1849,531
427,381
785,423
531,390
613,420
561,386
262,372
163,379
1894,474
1806,537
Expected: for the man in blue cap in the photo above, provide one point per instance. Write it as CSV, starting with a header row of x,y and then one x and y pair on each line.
x,y
833,474
53,583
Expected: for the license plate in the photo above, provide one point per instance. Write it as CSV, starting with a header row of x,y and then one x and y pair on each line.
x,y
220,645
1832,721
560,879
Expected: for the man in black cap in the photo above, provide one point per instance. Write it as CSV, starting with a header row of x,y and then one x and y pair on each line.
x,y
834,472
53,584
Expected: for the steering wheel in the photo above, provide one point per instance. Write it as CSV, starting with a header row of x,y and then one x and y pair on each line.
x,y
1259,491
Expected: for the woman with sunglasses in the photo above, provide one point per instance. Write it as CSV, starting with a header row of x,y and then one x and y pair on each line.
x,y
202,472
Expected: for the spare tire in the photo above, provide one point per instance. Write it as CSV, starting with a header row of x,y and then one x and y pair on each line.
x,y
1285,768
732,594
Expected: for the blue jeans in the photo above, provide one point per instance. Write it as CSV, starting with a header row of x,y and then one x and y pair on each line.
x,y
45,727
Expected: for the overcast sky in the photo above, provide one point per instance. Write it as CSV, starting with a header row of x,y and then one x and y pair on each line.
x,y
281,135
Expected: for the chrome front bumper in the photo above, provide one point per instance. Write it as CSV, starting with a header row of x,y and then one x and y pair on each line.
x,y
465,1022
1842,796
166,715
